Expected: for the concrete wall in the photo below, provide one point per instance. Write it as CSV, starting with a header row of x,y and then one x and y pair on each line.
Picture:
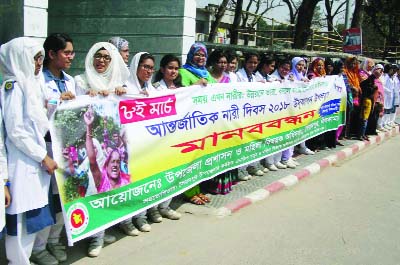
x,y
156,26
23,18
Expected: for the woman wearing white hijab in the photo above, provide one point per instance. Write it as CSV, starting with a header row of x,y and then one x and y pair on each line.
x,y
105,71
25,124
4,193
298,67
139,84
141,71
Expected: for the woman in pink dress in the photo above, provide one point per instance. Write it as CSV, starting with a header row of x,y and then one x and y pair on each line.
x,y
109,176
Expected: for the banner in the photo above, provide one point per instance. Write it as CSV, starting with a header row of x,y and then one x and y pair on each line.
x,y
352,41
118,155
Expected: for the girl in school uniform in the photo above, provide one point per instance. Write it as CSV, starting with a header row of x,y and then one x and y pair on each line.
x,y
58,87
29,165
5,198
105,71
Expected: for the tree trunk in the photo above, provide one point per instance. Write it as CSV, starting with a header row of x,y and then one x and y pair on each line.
x,y
236,22
218,16
303,25
357,14
291,11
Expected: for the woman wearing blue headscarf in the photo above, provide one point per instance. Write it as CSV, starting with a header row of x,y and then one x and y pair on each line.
x,y
194,71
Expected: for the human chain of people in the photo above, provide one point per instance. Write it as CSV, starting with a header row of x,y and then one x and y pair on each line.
x,y
94,154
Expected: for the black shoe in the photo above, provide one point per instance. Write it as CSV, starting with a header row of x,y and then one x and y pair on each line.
x,y
339,143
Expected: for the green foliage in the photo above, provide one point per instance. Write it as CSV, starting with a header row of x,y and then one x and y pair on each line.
x,y
71,127
75,187
381,19
318,21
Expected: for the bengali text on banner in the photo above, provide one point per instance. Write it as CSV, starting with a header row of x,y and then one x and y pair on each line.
x,y
120,155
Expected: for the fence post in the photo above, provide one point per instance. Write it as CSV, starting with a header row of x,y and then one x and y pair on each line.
x,y
272,33
312,40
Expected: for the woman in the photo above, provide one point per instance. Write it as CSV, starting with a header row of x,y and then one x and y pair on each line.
x,y
368,88
391,97
109,176
366,69
221,184
168,76
123,47
281,73
194,71
233,61
377,110
352,81
329,66
247,74
59,87
298,68
264,69
105,71
5,198
140,73
297,74
328,139
218,64
26,124
139,83
317,69
338,69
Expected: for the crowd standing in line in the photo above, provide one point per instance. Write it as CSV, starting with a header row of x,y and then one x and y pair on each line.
x,y
35,83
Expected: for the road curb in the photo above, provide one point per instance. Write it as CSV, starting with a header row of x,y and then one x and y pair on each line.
x,y
312,169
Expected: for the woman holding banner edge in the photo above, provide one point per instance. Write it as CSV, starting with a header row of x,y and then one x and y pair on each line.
x,y
194,72
26,124
105,73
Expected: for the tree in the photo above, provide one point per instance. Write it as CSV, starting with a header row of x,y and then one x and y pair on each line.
x,y
318,22
331,13
358,14
236,22
252,15
383,16
218,16
382,24
293,9
303,25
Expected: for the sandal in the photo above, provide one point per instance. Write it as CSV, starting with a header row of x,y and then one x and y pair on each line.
x,y
196,200
203,197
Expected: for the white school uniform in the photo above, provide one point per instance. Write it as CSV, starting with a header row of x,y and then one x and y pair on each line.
x,y
30,182
26,150
242,76
3,172
52,93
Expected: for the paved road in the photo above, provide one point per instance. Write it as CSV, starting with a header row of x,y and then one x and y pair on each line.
x,y
348,214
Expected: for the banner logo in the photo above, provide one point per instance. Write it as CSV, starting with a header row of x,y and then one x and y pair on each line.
x,y
78,216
